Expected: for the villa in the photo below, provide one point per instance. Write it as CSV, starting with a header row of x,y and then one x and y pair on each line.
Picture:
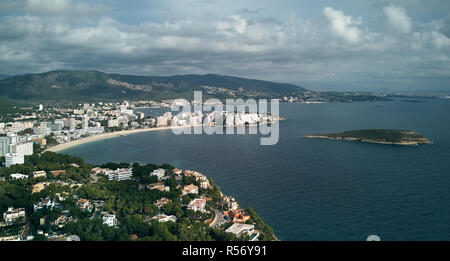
x,y
110,220
189,189
39,174
44,204
56,173
237,216
159,173
241,229
84,204
159,186
19,176
197,204
165,218
12,215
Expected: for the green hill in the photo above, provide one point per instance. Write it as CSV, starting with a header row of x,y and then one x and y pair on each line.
x,y
95,85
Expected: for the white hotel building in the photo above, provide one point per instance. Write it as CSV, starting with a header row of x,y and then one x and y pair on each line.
x,y
25,148
14,159
119,174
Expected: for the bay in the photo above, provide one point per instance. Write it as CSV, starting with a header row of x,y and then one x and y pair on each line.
x,y
310,189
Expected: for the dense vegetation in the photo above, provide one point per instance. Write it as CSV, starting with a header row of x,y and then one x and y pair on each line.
x,y
10,108
94,85
130,201
380,135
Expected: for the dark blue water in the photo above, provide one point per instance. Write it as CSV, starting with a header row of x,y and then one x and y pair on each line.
x,y
309,189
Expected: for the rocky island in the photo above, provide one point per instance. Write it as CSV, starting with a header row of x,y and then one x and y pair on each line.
x,y
381,136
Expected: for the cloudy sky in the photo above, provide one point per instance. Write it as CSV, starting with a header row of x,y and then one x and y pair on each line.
x,y
323,45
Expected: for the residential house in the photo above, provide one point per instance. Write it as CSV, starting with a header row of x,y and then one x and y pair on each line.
x,y
177,172
237,216
197,204
165,218
230,202
159,186
13,215
39,174
202,179
44,204
241,229
19,176
62,220
110,220
189,189
159,173
56,173
84,204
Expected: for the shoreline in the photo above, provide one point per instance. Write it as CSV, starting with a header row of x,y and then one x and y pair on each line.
x,y
104,136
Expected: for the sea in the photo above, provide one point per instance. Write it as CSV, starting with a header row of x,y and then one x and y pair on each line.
x,y
314,189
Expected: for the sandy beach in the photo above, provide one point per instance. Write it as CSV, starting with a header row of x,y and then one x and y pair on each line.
x,y
70,144
66,145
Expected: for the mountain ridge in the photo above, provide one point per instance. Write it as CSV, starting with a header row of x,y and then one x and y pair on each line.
x,y
98,85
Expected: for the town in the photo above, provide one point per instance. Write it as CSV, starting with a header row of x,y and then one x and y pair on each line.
x,y
47,127
49,196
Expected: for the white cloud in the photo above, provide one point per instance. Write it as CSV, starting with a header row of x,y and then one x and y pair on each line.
x,y
233,24
344,26
440,40
397,18
333,48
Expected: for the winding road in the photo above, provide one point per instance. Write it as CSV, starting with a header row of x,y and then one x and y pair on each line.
x,y
218,218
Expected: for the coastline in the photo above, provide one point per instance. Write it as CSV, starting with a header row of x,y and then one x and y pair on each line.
x,y
73,143
104,136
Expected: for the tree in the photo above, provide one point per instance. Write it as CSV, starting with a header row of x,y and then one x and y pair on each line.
x,y
40,237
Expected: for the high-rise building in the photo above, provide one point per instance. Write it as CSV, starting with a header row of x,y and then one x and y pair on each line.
x,y
3,146
13,159
12,138
61,123
72,124
85,122
43,128
25,148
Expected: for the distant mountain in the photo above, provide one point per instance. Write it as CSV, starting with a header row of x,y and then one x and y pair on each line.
x,y
4,76
94,85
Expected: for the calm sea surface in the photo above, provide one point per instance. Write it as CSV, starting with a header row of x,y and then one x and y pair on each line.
x,y
309,189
